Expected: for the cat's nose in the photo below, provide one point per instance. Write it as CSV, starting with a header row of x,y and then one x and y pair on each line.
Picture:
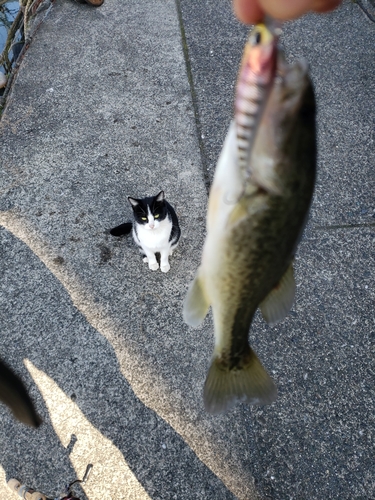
x,y
151,225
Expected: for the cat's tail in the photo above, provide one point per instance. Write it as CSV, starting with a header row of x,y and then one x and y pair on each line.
x,y
121,229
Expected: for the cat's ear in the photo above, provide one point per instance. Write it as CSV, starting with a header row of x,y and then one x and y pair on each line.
x,y
133,202
160,196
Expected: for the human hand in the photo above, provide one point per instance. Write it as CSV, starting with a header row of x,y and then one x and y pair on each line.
x,y
253,11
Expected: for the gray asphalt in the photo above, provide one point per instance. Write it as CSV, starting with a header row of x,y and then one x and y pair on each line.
x,y
127,99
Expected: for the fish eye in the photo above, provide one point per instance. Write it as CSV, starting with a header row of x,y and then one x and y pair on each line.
x,y
156,216
261,35
256,38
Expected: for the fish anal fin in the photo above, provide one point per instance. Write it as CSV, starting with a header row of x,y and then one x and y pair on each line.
x,y
196,304
247,383
276,306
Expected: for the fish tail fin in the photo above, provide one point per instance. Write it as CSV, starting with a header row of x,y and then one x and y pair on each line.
x,y
196,304
121,229
14,395
248,382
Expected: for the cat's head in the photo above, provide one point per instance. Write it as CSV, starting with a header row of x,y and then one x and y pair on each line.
x,y
149,211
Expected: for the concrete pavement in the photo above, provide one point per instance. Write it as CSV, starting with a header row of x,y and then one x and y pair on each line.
x,y
105,106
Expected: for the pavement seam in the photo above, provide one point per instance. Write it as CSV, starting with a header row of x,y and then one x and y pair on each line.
x,y
333,227
194,97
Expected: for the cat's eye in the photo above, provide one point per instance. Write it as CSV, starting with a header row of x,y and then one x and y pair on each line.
x,y
156,216
144,218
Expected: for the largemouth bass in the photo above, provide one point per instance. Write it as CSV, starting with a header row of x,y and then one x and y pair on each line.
x,y
258,206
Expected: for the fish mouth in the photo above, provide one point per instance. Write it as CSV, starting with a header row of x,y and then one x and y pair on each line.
x,y
299,68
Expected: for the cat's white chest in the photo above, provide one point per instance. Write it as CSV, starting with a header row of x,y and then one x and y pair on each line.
x,y
155,239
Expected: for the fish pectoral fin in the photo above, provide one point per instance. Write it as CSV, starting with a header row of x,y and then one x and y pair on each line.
x,y
239,212
279,301
249,383
196,304
265,176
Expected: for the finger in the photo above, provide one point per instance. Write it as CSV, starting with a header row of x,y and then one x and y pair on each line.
x,y
253,11
286,9
248,11
325,5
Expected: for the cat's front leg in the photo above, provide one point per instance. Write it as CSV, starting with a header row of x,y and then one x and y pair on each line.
x,y
151,259
164,264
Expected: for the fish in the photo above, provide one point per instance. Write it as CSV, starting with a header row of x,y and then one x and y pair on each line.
x,y
13,393
258,206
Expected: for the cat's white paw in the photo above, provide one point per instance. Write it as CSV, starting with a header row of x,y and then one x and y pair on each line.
x,y
165,268
153,267
145,259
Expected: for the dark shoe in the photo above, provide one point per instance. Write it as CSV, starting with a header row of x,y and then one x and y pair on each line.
x,y
94,3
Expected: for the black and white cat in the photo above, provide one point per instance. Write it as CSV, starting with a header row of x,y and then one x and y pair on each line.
x,y
155,229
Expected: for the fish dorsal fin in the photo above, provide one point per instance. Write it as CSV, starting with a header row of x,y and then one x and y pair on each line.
x,y
279,301
196,304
